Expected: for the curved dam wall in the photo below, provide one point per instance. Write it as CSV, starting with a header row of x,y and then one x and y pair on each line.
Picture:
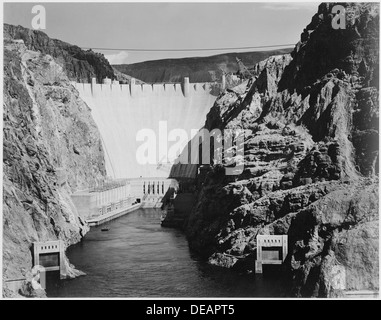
x,y
122,110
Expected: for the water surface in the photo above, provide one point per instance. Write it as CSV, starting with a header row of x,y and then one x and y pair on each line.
x,y
139,258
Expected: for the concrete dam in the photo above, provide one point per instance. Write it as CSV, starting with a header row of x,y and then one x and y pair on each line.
x,y
122,110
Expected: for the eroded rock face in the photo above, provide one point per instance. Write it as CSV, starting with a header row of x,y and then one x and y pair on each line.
x,y
77,64
310,161
51,148
339,231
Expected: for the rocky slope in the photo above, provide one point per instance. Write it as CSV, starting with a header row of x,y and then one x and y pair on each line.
x,y
310,161
198,69
124,78
51,147
78,65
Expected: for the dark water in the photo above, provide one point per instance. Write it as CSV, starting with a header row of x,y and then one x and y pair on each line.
x,y
139,258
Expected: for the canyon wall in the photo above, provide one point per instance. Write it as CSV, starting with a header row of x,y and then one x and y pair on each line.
x,y
51,148
310,161
77,64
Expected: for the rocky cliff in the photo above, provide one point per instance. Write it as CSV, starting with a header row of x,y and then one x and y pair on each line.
x,y
78,65
310,161
51,147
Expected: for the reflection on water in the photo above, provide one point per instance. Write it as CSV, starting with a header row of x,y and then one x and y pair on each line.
x,y
139,258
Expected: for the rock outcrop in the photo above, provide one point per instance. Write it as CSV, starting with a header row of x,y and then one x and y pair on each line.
x,y
51,148
77,64
310,161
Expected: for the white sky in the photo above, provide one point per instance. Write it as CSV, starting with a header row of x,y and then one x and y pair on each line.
x,y
168,25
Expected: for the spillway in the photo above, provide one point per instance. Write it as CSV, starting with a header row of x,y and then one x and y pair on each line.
x,y
121,111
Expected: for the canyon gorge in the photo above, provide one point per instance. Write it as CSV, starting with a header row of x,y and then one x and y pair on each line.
x,y
311,150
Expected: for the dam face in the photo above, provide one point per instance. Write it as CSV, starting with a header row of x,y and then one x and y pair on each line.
x,y
121,111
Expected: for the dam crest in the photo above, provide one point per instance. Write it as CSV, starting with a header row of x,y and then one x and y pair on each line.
x,y
134,90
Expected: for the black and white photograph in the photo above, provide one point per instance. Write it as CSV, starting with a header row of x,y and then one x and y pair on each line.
x,y
190,150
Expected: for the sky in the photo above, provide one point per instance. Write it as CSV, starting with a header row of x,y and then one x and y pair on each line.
x,y
168,26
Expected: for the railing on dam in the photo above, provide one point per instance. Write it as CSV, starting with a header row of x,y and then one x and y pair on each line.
x,y
105,209
108,185
113,198
140,90
113,212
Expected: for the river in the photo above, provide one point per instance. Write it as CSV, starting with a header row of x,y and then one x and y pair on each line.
x,y
139,258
